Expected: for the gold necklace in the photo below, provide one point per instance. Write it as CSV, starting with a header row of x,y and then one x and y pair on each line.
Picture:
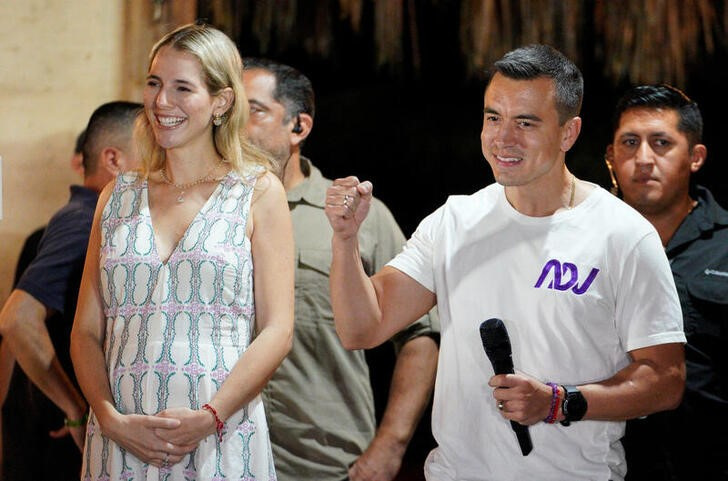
x,y
183,187
573,189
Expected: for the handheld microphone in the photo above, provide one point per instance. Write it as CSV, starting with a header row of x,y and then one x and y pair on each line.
x,y
497,347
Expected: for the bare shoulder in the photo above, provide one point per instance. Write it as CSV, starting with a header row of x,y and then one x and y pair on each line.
x,y
268,188
104,197
106,192
268,202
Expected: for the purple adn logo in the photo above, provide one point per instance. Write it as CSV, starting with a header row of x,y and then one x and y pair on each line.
x,y
568,273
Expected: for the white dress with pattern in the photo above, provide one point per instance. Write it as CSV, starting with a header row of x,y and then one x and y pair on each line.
x,y
174,330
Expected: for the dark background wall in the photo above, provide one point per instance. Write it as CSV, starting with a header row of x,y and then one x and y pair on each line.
x,y
415,133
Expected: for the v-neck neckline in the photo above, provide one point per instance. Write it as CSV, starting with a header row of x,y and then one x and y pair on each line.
x,y
145,206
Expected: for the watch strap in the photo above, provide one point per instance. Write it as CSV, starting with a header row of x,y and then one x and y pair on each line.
x,y
573,406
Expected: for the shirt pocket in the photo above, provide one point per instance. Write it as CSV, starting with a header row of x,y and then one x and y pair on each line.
x,y
313,265
313,301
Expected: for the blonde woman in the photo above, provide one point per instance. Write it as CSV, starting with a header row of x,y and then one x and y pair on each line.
x,y
171,343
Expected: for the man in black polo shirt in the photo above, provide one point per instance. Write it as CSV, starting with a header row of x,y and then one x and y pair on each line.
x,y
36,320
655,150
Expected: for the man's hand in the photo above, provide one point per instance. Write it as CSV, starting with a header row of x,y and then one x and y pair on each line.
x,y
347,205
78,433
380,462
523,399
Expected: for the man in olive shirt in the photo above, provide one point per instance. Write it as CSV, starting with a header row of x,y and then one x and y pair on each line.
x,y
319,402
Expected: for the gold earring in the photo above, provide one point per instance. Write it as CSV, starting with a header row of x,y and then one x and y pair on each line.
x,y
615,187
217,120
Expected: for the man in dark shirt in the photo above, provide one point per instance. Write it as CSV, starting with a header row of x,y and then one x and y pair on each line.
x,y
44,404
27,254
655,150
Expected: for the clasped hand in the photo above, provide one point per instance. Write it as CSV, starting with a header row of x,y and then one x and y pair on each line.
x,y
165,438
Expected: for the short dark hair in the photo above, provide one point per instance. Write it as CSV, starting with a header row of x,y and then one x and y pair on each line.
x,y
111,124
534,61
663,96
293,89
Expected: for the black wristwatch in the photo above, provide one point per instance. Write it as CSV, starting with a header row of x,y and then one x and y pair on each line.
x,y
573,406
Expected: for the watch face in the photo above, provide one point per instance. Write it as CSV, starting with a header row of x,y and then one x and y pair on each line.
x,y
575,405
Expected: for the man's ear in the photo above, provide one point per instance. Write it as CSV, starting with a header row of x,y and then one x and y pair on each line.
x,y
609,161
698,155
77,164
609,155
112,159
569,133
304,122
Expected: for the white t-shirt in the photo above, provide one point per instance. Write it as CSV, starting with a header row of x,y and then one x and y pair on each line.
x,y
576,290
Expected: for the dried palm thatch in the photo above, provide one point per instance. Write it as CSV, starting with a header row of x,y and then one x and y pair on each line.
x,y
389,18
490,28
281,24
388,26
655,40
643,41
353,10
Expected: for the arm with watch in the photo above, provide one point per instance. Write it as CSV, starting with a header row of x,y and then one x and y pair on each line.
x,y
652,382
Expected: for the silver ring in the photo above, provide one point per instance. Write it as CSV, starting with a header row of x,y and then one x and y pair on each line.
x,y
500,405
347,199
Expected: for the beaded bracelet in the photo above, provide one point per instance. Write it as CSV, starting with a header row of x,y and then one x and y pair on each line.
x,y
554,409
219,425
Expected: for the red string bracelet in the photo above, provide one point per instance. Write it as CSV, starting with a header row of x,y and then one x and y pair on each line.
x,y
219,425
554,409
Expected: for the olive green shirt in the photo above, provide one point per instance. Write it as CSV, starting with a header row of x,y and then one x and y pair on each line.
x,y
319,402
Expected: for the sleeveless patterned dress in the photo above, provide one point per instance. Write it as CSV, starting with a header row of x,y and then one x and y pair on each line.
x,y
174,330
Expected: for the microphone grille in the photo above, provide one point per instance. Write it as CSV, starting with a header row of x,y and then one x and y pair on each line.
x,y
494,336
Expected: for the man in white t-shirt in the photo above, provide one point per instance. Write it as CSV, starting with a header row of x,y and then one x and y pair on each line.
x,y
579,279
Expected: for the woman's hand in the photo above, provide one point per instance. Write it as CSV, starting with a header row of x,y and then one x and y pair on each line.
x,y
194,426
141,435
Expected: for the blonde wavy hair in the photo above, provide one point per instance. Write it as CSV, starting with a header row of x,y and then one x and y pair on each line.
x,y
221,68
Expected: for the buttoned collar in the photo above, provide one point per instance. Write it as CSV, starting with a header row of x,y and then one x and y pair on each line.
x,y
704,218
313,188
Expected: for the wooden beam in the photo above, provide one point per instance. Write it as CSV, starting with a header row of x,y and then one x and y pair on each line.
x,y
145,22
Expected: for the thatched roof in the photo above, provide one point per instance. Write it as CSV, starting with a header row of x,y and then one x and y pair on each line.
x,y
642,41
